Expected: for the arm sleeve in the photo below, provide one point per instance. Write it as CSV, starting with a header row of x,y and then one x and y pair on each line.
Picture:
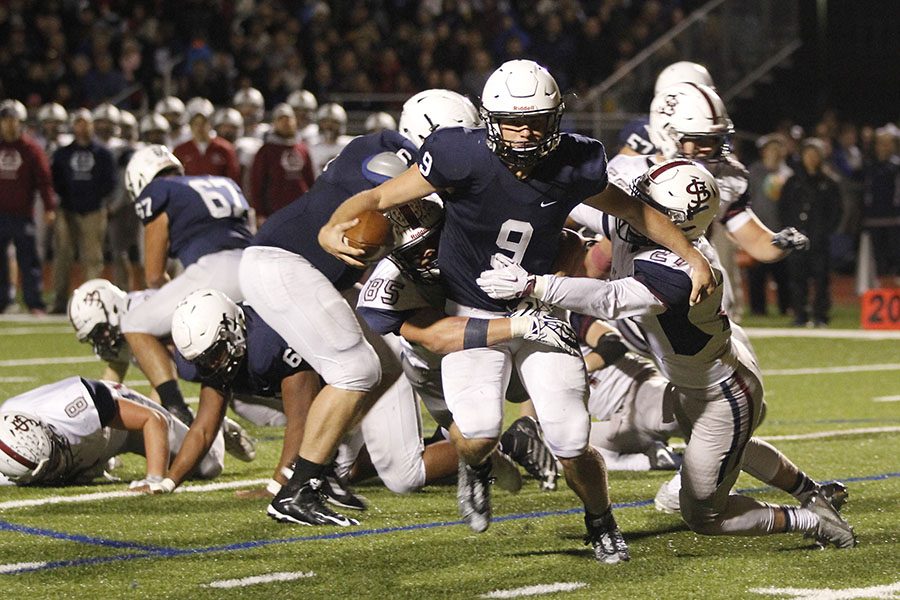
x,y
602,299
671,286
383,321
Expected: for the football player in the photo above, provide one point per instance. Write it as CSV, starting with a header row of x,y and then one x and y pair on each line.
x,y
717,386
202,221
305,104
332,121
65,432
172,108
250,103
509,186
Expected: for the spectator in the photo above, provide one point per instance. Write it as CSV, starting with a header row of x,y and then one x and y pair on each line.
x,y
332,119
172,108
104,80
154,129
23,172
811,202
84,174
205,154
282,170
125,234
305,105
766,180
881,201
228,125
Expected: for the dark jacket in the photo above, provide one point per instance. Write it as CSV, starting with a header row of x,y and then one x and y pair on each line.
x,y
83,176
812,204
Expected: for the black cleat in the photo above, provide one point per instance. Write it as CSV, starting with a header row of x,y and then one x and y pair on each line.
x,y
337,492
305,506
524,443
473,495
238,443
604,536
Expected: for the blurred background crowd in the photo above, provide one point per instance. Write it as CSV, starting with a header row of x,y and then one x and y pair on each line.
x,y
259,90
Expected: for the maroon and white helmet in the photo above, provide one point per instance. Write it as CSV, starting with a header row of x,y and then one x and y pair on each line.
x,y
199,106
249,101
683,71
52,112
683,190
685,111
13,108
303,100
154,122
25,447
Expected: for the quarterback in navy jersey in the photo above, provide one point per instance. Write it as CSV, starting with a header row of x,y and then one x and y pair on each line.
x,y
305,294
507,190
203,222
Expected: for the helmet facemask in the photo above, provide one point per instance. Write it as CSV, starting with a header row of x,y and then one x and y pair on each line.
x,y
220,362
417,229
523,154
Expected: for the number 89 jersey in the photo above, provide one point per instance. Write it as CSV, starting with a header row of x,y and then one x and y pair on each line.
x,y
206,214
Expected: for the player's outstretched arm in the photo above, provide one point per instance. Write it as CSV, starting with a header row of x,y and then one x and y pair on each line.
x,y
156,251
661,230
764,245
200,436
152,424
406,187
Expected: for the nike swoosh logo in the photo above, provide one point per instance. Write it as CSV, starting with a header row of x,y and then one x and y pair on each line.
x,y
543,204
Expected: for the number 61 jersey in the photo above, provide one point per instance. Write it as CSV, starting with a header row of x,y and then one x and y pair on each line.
x,y
206,214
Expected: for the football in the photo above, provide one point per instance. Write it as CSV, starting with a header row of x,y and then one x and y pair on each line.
x,y
374,234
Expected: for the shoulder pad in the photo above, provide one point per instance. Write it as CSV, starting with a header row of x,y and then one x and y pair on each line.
x,y
387,164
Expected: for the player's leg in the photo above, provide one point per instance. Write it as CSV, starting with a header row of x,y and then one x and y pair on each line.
x,y
560,403
92,234
29,263
64,256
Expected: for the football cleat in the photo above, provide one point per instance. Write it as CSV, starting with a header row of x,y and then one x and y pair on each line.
x,y
305,506
238,442
337,492
473,496
663,458
524,443
835,492
505,473
832,527
182,413
666,499
604,536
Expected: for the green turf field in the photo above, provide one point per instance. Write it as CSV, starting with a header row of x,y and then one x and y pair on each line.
x,y
176,546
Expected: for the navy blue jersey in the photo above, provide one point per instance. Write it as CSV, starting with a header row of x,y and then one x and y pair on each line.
x,y
268,361
636,136
206,214
295,227
489,210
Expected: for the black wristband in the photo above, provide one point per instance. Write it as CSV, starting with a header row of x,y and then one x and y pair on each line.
x,y
610,347
476,333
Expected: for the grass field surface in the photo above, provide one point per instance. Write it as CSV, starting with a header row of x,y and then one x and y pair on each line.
x,y
833,407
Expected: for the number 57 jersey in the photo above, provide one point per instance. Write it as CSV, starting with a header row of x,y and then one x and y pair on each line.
x,y
206,214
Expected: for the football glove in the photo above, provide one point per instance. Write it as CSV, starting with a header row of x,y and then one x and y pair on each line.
x,y
551,331
507,280
153,485
790,239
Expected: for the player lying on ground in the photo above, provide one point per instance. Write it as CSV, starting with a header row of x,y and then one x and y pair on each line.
x,y
66,432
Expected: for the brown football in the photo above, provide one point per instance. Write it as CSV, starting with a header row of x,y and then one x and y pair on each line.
x,y
373,233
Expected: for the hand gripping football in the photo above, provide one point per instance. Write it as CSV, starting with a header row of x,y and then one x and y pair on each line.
x,y
374,234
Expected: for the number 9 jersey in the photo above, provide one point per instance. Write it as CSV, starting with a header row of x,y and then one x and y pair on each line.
x,y
206,214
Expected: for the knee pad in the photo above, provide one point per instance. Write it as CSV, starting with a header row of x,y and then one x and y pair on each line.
x,y
567,439
360,371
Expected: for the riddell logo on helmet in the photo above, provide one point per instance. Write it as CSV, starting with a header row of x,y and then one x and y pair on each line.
x,y
532,107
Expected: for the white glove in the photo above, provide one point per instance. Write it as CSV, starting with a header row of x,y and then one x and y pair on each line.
x,y
790,239
507,280
548,330
153,485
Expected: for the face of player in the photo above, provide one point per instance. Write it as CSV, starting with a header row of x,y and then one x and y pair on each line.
x,y
286,126
228,132
10,128
200,127
105,129
701,147
157,136
524,132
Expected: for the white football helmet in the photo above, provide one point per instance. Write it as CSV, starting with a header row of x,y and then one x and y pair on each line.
x,y
107,112
209,330
228,116
128,125
146,164
417,231
333,111
199,106
520,90
690,110
432,109
684,191
379,121
25,447
249,101
52,112
13,108
303,100
170,105
95,311
683,71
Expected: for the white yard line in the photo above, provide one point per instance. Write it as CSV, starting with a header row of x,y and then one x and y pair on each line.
x,y
886,399
843,334
535,590
256,579
16,379
22,565
36,330
892,590
825,370
31,319
54,360
95,496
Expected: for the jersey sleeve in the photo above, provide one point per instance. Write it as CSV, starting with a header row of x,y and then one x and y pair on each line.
x,y
186,369
671,286
383,321
153,200
445,157
602,299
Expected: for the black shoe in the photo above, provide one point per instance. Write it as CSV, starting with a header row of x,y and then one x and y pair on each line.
x,y
305,506
524,443
604,536
181,412
337,492
473,495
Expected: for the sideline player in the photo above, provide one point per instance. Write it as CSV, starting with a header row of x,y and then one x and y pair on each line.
x,y
203,222
509,187
716,380
65,432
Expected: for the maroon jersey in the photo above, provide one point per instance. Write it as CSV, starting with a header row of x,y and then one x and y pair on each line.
x,y
281,172
219,159
24,170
